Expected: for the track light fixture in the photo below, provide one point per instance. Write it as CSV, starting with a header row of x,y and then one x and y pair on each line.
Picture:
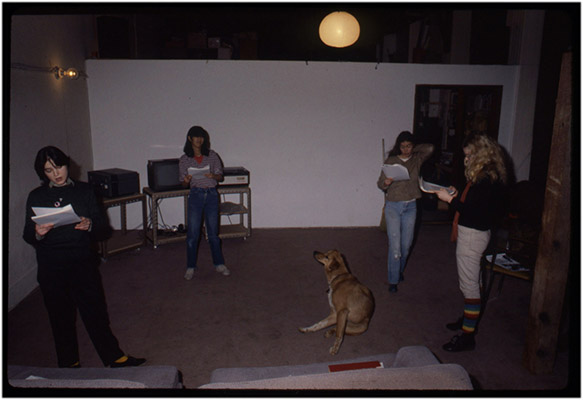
x,y
57,72
70,73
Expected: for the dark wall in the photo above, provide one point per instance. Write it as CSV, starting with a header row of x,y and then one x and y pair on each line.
x,y
490,37
555,43
113,34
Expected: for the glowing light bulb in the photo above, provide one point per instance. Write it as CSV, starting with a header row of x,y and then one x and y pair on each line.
x,y
70,73
339,29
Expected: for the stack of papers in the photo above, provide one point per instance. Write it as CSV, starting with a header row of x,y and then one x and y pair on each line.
x,y
507,262
429,187
56,216
198,173
395,171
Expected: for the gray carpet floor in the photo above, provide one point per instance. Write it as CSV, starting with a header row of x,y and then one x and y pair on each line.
x,y
250,318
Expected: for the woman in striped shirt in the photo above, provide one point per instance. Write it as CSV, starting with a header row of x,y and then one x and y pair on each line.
x,y
201,169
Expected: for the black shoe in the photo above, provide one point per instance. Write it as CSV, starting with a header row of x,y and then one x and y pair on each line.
x,y
463,342
393,288
130,362
455,326
401,277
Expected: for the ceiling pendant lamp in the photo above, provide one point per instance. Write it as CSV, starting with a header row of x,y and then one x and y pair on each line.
x,y
339,29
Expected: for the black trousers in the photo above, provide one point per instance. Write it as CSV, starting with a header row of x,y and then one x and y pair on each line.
x,y
76,285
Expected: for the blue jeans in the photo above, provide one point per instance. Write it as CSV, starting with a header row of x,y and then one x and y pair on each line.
x,y
203,202
400,218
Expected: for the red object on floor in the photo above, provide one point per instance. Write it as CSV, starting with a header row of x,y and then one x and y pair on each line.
x,y
358,365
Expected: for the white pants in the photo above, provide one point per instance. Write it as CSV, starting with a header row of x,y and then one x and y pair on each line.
x,y
471,244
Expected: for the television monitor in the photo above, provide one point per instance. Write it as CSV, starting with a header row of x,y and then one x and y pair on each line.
x,y
163,175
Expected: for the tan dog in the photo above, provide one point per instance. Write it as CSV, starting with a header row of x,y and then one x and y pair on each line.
x,y
351,303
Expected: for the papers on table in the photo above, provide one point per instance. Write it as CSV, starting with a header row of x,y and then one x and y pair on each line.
x,y
507,262
395,171
429,187
57,216
198,173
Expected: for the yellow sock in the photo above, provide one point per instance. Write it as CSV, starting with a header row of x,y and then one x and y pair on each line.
x,y
122,359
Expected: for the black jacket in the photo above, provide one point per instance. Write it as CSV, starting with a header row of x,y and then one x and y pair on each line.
x,y
484,205
65,243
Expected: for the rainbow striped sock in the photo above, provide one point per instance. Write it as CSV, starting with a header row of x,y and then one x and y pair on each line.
x,y
471,314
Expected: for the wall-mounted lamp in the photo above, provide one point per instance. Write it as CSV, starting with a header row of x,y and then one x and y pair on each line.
x,y
70,73
339,29
57,72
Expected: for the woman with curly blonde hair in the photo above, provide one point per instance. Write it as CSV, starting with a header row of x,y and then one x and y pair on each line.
x,y
485,159
476,210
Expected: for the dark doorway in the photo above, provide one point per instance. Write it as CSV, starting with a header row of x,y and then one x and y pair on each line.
x,y
444,116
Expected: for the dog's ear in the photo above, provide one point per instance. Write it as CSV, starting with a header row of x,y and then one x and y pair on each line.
x,y
337,260
332,264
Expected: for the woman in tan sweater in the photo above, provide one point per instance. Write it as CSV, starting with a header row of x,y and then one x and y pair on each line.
x,y
401,202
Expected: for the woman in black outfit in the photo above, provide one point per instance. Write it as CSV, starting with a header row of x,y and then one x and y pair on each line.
x,y
68,272
477,209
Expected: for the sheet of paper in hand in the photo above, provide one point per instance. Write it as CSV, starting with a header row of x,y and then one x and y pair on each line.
x,y
429,187
198,173
57,216
396,171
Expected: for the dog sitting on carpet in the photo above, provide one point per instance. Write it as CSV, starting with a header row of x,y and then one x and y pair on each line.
x,y
351,303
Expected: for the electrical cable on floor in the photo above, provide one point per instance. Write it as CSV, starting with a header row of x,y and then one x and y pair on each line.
x,y
163,224
149,222
225,215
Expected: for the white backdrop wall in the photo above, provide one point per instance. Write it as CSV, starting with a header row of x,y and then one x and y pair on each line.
x,y
309,133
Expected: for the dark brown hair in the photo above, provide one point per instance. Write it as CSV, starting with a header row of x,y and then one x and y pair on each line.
x,y
404,136
197,131
57,157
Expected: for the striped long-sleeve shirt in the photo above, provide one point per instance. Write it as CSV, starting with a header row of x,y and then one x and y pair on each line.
x,y
212,160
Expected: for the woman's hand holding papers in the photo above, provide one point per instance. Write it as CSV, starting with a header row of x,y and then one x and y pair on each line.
x,y
84,225
443,194
42,230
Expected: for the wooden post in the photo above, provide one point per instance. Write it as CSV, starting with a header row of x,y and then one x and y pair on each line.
x,y
554,248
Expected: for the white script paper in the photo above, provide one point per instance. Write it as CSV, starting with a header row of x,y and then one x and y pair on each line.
x,y
396,171
429,187
198,173
57,216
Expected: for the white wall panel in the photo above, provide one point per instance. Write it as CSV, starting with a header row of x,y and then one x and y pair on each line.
x,y
310,133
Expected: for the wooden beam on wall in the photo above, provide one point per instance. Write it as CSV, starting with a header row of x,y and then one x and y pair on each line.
x,y
554,248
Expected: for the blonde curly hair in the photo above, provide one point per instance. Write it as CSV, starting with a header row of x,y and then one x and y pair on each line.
x,y
485,160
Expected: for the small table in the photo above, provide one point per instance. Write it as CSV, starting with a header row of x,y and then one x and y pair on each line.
x,y
155,197
241,229
492,268
124,240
